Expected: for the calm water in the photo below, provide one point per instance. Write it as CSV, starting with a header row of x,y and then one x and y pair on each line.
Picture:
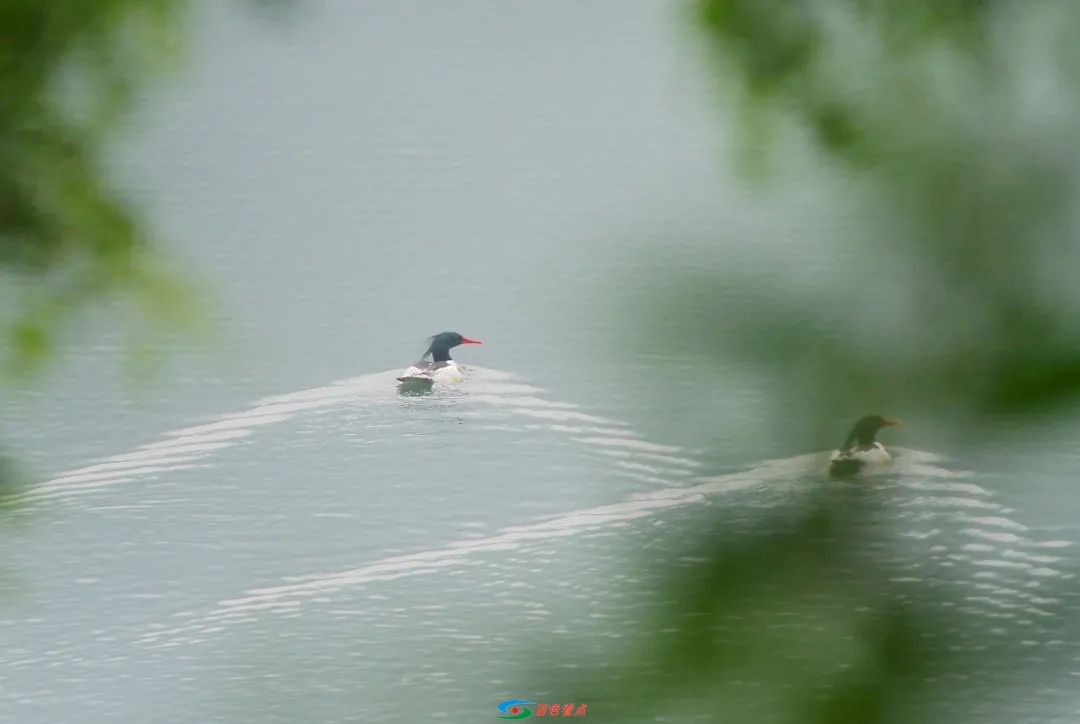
x,y
267,532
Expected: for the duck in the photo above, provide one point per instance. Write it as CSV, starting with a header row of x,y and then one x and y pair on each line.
x,y
422,375
861,449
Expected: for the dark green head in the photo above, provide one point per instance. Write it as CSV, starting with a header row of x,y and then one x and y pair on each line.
x,y
866,430
442,343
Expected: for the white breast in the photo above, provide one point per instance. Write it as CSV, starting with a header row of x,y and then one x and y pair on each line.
x,y
876,454
443,372
451,373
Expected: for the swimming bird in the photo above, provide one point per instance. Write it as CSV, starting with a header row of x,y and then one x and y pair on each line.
x,y
422,375
861,449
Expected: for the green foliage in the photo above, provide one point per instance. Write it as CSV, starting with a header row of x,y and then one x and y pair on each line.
x,y
951,126
954,122
68,71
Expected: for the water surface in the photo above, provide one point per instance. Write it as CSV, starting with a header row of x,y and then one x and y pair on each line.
x,y
268,532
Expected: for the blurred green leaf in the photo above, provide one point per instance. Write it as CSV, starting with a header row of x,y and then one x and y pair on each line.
x,y
68,72
950,127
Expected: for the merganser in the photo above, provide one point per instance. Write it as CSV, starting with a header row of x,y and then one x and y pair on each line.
x,y
861,449
422,375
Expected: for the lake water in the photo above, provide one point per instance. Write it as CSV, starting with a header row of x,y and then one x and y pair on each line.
x,y
266,531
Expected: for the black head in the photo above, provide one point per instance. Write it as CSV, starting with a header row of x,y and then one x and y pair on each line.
x,y
866,430
442,343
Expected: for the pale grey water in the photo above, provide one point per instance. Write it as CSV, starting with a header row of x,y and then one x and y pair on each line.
x,y
310,546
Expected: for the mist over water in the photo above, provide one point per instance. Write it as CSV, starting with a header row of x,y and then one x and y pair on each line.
x,y
268,532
